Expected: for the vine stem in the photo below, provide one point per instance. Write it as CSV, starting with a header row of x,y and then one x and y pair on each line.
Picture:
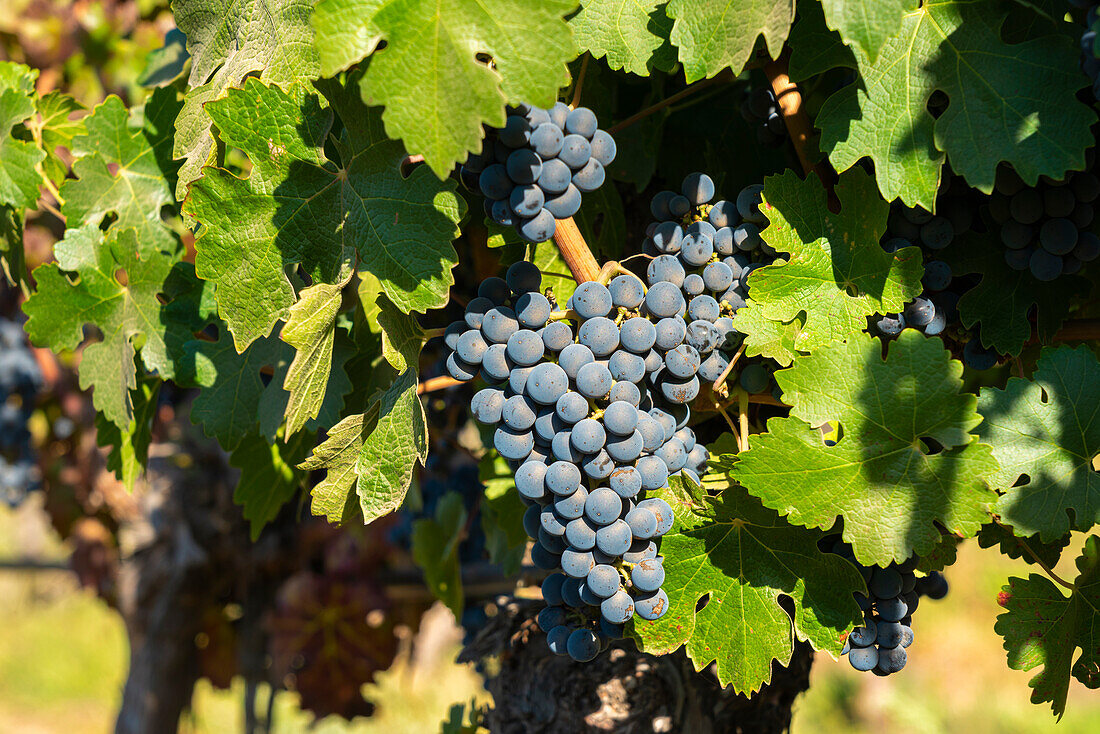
x,y
1077,329
1035,557
574,250
726,75
794,116
580,82
437,383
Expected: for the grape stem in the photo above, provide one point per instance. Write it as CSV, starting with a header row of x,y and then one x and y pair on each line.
x,y
580,82
743,417
726,75
720,383
574,250
1035,557
733,426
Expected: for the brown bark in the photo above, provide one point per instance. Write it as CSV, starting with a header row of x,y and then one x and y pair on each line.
x,y
622,690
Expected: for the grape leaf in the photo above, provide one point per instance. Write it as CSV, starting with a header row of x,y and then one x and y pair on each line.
x,y
772,339
1048,431
438,94
743,558
1043,627
18,158
838,275
233,389
143,176
299,207
881,476
435,546
816,48
632,35
57,129
555,273
311,330
166,64
12,257
128,451
711,35
116,292
1003,298
1014,103
229,40
1002,536
866,24
269,476
402,337
372,452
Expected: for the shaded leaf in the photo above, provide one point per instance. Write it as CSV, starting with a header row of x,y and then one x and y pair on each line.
x,y
269,476
129,447
631,35
435,546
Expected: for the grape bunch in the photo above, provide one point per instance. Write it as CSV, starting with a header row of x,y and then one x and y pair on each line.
x,y
20,382
1045,229
936,308
533,170
708,250
589,406
894,592
760,108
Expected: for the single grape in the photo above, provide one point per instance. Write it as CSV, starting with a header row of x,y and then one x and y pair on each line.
x,y
627,392
626,482
523,277
614,539
592,299
495,289
519,412
557,639
662,511
547,140
664,300
682,361
648,575
547,384
471,347
723,214
580,534
679,206
486,405
530,480
890,324
1044,265
556,336
703,336
665,268
978,357
638,335
562,448
626,366
525,347
667,238
554,178
626,292
673,453
698,188
603,580
620,418
754,378
651,606
526,200
588,436
890,634
658,205
565,204
459,369
640,550
532,519
603,147
748,204
891,660
680,391
1058,236
919,312
571,407
498,324
494,182
551,589
582,645
1088,247
577,563
937,275
863,658
571,507
1026,206
594,380
581,121
574,357
539,228
618,608
866,635
544,559
590,177
711,368
746,237
588,596
603,506
937,233
642,522
696,249
575,151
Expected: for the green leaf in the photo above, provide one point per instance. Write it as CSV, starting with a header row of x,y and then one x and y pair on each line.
x,y
12,258
1009,544
300,208
116,292
744,558
436,92
866,24
714,34
58,131
166,64
1014,103
229,40
269,477
1047,430
374,453
435,546
555,273
881,476
1002,300
129,446
402,337
311,330
1041,626
502,514
816,48
18,178
233,390
837,275
145,174
632,35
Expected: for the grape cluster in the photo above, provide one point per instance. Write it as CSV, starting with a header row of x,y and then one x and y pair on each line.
x,y
533,170
708,251
760,108
20,381
589,406
1090,61
1044,229
893,595
936,308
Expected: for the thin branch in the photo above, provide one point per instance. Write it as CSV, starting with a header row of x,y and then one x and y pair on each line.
x,y
1039,561
733,427
743,418
437,383
720,384
726,75
51,209
574,250
1076,330
797,121
580,82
